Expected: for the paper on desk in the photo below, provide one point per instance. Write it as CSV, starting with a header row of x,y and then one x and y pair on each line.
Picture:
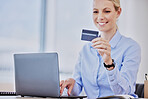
x,y
146,89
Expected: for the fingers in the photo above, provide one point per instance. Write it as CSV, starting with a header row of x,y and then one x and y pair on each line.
x,y
69,83
63,86
98,39
71,87
69,90
102,46
100,43
61,83
101,51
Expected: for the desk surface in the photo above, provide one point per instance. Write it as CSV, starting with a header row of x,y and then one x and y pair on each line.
x,y
5,97
19,97
14,97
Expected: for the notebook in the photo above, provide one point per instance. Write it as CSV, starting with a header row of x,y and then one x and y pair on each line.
x,y
37,74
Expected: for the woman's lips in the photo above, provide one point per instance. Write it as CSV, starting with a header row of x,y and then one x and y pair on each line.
x,y
102,23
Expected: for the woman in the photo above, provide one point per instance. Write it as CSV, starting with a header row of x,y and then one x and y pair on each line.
x,y
108,65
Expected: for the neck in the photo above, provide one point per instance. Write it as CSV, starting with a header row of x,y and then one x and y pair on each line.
x,y
109,34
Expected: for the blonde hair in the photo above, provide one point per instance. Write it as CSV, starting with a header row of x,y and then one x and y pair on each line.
x,y
116,4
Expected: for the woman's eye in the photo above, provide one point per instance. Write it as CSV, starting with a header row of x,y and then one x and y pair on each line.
x,y
95,11
107,11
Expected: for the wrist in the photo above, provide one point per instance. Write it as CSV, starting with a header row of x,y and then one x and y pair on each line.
x,y
110,66
109,62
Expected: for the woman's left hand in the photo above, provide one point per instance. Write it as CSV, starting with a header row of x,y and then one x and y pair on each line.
x,y
104,49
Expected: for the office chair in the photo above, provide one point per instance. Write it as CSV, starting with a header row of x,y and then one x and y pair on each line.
x,y
140,90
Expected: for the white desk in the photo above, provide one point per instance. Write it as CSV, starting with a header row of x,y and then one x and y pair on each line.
x,y
14,97
19,97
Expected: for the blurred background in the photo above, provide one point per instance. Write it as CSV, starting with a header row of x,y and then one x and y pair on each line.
x,y
55,26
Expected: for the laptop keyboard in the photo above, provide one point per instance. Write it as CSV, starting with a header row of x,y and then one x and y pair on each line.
x,y
14,94
7,93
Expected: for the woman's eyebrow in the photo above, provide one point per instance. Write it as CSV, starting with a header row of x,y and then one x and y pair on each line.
x,y
103,8
107,8
95,9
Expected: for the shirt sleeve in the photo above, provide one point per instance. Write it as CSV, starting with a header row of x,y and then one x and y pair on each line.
x,y
78,79
123,81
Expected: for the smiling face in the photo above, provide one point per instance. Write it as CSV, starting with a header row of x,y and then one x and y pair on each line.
x,y
105,15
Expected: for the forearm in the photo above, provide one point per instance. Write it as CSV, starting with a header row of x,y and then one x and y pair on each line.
x,y
119,84
76,90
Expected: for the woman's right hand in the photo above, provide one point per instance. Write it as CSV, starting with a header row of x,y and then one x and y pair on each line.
x,y
69,84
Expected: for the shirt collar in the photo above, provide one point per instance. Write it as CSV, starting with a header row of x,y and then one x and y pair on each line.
x,y
114,41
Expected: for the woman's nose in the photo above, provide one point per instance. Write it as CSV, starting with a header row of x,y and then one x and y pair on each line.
x,y
100,16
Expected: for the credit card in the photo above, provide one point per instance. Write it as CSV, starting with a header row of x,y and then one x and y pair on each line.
x,y
89,35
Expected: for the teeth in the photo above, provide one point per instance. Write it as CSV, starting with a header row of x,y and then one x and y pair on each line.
x,y
101,23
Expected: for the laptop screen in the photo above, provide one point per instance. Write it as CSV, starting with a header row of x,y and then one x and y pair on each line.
x,y
37,74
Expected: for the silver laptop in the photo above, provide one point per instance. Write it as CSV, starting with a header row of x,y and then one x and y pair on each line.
x,y
37,74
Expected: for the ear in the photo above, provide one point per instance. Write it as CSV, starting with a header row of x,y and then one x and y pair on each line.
x,y
118,12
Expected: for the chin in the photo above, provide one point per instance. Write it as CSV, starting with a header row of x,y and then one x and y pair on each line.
x,y
102,30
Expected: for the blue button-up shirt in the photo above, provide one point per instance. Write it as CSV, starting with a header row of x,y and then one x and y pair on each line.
x,y
97,81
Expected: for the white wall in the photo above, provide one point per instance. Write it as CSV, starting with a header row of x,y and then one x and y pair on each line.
x,y
134,23
65,21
